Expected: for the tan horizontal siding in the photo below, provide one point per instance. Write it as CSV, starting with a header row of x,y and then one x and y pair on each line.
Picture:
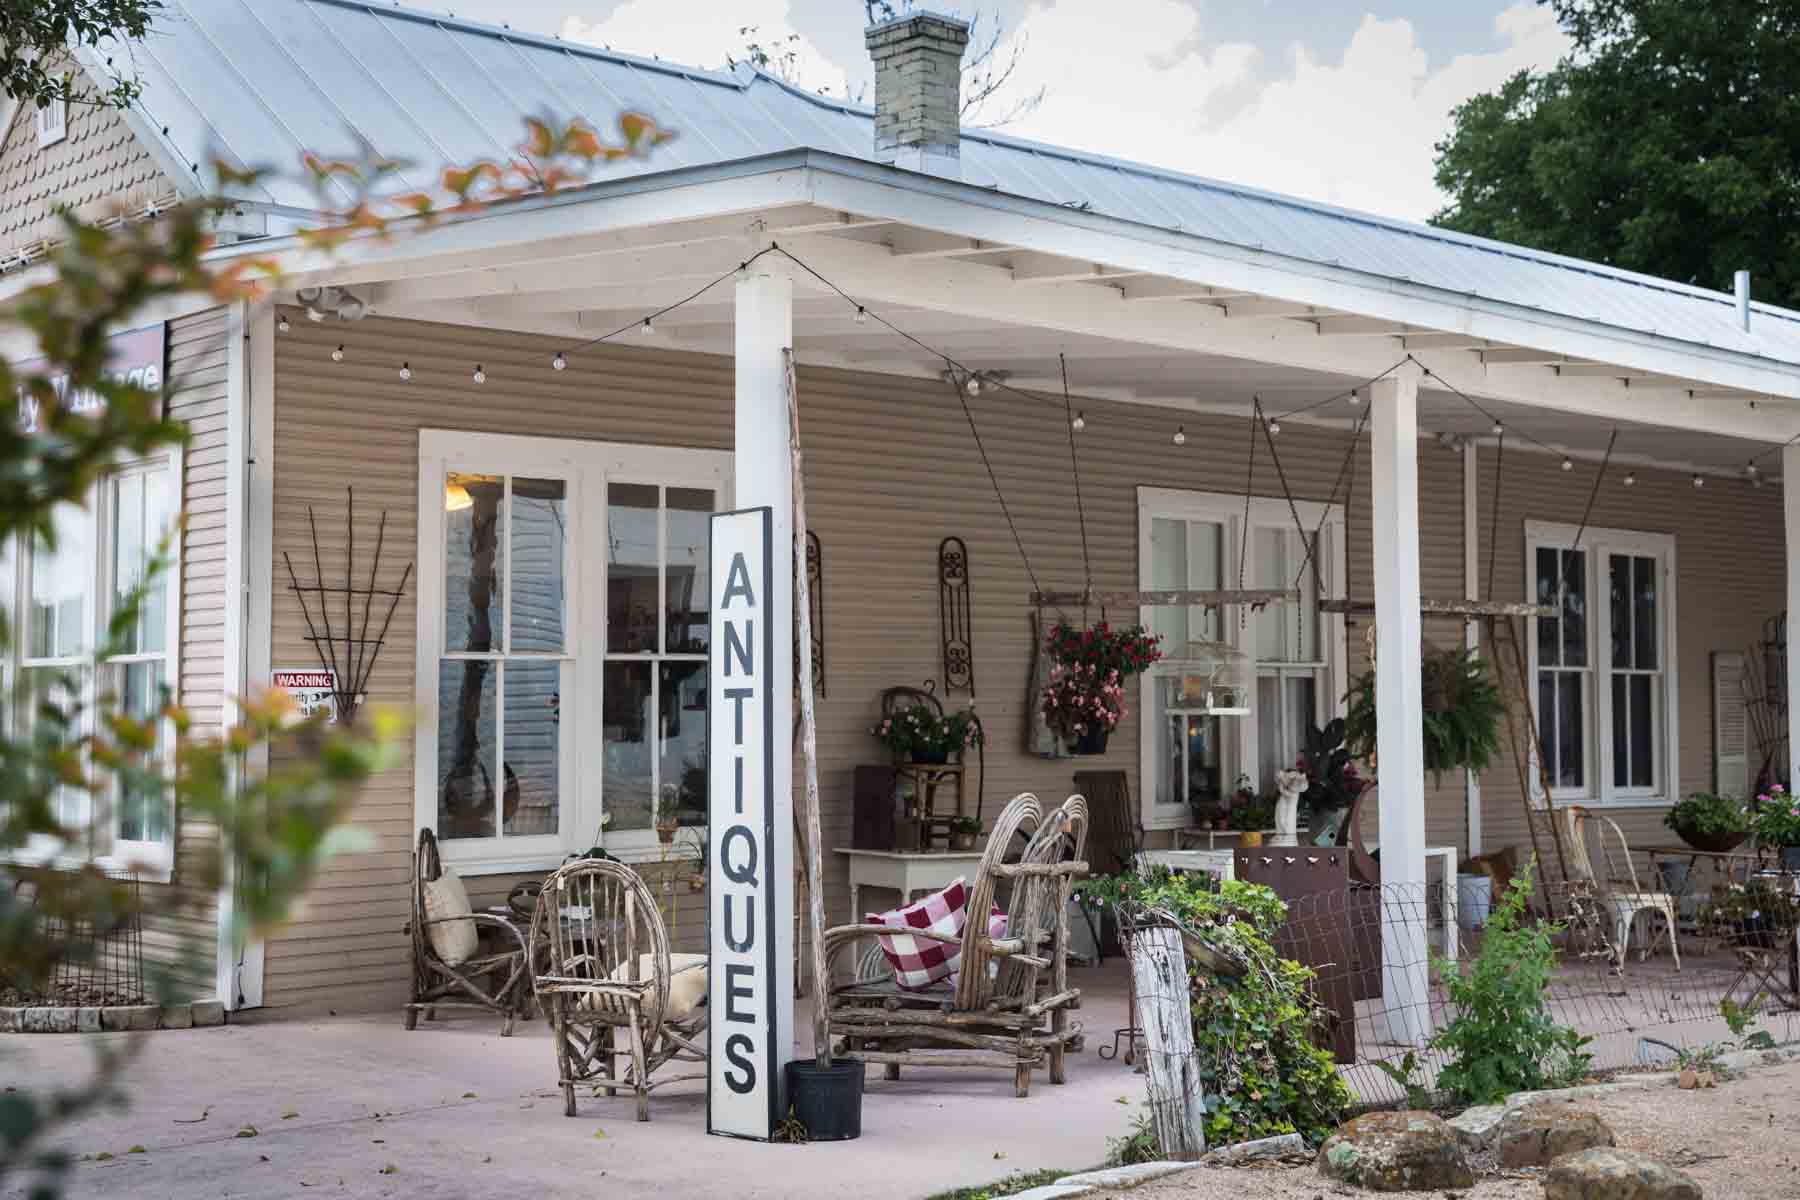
x,y
186,940
890,471
1729,547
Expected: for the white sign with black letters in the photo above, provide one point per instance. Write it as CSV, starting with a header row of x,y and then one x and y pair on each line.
x,y
746,1057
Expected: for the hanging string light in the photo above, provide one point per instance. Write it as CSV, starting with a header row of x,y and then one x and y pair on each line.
x,y
1568,464
559,363
973,387
282,326
1180,438
1699,480
1355,398
647,328
480,376
1630,479
1274,427
1079,423
405,372
1499,429
338,354
862,315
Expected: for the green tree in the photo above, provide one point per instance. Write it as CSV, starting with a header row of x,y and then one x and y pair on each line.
x,y
1667,142
34,34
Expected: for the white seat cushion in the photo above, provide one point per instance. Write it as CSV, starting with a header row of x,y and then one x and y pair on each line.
x,y
453,941
687,983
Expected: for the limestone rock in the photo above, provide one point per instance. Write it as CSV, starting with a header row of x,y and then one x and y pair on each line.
x,y
1532,1137
1285,1145
1476,1127
1396,1152
207,1012
1605,1173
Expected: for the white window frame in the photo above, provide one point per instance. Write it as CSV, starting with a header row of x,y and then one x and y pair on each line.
x,y
1598,545
1238,754
589,468
151,861
52,122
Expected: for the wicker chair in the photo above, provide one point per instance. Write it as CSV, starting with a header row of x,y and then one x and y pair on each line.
x,y
603,975
1016,1015
494,981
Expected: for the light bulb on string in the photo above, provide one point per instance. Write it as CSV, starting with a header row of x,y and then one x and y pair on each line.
x,y
480,376
1750,469
862,315
1630,479
1180,438
405,372
337,355
1568,464
1355,398
559,363
647,329
282,325
1499,429
1274,427
974,385
1079,423
1699,481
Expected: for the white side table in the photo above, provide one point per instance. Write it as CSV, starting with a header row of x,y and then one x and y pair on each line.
x,y
907,873
1447,857
1217,863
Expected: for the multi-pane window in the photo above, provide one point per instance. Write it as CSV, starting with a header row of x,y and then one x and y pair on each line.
x,y
563,644
501,677
67,588
1603,661
1195,540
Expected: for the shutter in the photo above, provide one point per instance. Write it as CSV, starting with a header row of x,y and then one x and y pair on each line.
x,y
1731,725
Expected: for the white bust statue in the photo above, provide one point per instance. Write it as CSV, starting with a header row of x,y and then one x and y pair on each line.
x,y
1290,784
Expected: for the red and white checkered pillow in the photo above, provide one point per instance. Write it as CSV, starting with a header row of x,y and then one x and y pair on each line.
x,y
919,963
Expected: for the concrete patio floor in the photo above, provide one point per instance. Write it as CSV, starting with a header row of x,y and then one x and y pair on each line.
x,y
457,1111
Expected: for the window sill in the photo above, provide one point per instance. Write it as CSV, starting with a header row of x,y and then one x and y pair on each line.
x,y
1611,802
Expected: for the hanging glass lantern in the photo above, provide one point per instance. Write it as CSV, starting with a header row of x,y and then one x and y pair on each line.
x,y
1207,678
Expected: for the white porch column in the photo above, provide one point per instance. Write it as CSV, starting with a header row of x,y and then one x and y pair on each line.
x,y
1790,504
762,469
1400,745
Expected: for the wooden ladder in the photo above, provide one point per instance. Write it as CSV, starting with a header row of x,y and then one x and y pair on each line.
x,y
1515,685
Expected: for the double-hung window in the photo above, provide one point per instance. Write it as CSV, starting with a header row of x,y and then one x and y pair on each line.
x,y
1605,663
1207,541
562,644
67,589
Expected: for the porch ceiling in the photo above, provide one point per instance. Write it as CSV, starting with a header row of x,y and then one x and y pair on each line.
x,y
1131,334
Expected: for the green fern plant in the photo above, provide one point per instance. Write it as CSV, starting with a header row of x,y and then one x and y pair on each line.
x,y
1462,712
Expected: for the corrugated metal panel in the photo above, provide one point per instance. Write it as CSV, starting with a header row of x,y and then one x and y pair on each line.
x,y
1728,551
890,471
214,69
197,374
98,163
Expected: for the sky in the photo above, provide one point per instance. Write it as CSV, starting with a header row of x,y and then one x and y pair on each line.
x,y
1333,100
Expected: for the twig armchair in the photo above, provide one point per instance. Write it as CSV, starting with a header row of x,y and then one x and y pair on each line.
x,y
620,1005
1015,1015
449,969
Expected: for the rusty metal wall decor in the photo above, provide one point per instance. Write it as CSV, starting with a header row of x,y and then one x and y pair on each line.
x,y
815,591
953,616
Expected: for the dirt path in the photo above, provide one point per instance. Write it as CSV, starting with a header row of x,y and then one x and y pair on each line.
x,y
1740,1141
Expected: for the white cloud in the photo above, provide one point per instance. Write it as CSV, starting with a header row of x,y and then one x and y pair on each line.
x,y
1351,125
1354,127
701,34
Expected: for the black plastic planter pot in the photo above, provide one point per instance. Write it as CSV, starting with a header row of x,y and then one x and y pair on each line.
x,y
827,1100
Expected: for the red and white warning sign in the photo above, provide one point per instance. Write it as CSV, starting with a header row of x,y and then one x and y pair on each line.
x,y
313,690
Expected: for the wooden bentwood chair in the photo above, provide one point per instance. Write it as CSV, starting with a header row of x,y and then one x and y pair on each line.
x,y
1015,1015
494,980
604,976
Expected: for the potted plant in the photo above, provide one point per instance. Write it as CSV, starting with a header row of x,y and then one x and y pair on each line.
x,y
1462,709
963,832
1777,823
1252,818
1709,822
1332,781
1085,698
927,736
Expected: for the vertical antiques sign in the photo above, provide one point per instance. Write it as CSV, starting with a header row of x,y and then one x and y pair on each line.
x,y
750,893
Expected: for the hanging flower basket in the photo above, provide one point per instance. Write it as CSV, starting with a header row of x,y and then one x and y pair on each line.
x,y
1085,698
1461,712
925,735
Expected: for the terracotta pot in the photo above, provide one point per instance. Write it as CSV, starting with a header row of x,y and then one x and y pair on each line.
x,y
962,841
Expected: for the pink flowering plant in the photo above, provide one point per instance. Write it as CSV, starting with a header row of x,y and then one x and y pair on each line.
x,y
1777,820
1086,692
921,729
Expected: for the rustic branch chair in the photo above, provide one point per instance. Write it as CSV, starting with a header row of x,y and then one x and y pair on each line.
x,y
1618,890
1016,1015
604,976
494,981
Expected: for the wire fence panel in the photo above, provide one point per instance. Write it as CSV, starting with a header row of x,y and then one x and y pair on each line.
x,y
100,961
1380,957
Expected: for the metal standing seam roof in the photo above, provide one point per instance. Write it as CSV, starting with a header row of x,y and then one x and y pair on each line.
x,y
259,81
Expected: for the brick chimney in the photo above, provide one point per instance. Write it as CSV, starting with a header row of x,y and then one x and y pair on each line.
x,y
918,92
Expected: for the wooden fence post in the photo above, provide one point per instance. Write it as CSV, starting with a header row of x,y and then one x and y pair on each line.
x,y
1177,1102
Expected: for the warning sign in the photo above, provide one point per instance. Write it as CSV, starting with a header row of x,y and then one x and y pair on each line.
x,y
313,691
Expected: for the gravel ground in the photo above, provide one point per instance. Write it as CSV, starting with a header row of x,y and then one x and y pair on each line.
x,y
1740,1141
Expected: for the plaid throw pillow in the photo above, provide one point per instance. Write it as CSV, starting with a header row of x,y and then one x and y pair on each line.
x,y
919,963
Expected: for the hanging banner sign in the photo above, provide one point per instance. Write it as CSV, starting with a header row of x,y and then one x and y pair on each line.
x,y
746,1051
313,691
135,357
